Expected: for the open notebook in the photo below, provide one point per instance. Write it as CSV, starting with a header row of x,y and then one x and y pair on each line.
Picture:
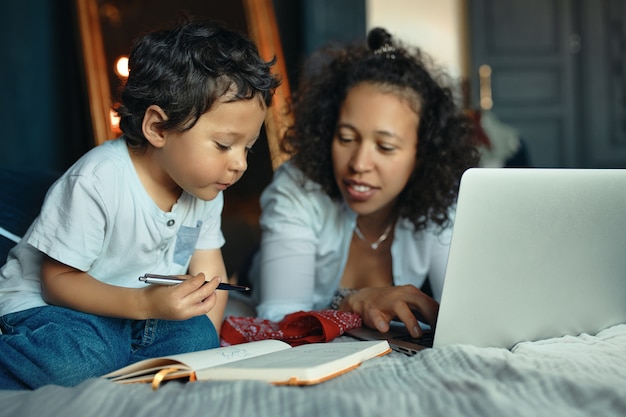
x,y
535,254
272,361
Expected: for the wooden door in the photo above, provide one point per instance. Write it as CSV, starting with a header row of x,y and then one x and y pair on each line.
x,y
527,45
557,74
603,82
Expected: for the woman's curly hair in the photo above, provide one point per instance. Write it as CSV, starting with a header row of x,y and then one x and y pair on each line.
x,y
445,141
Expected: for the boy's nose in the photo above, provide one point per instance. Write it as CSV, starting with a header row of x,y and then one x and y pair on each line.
x,y
239,163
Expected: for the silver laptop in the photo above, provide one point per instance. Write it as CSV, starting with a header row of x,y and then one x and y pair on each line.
x,y
535,254
398,337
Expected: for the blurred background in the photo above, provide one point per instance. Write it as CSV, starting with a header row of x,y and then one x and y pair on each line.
x,y
544,79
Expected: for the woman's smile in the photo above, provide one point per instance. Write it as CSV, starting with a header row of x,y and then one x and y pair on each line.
x,y
359,191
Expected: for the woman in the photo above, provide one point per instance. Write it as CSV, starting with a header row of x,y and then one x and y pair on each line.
x,y
360,217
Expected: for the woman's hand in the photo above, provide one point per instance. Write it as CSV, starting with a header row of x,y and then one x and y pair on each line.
x,y
193,297
377,306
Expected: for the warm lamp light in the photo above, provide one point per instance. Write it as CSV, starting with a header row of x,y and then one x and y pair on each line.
x,y
115,122
121,67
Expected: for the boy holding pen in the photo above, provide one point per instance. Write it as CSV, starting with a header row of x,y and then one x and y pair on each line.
x,y
71,304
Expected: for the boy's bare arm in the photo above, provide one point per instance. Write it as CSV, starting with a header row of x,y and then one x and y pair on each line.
x,y
211,263
68,287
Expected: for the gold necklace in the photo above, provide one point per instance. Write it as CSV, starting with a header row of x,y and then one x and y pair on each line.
x,y
380,239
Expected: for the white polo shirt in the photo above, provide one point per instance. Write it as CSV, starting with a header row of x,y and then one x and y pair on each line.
x,y
99,218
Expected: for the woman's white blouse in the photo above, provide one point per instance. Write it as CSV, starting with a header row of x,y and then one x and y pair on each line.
x,y
305,243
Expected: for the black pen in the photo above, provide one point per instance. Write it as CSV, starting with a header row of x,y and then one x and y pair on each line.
x,y
173,280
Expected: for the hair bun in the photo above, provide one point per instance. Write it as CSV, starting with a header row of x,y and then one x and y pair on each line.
x,y
378,38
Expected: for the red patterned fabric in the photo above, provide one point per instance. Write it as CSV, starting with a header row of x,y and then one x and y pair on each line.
x,y
296,328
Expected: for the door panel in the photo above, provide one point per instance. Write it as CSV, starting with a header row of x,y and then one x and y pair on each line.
x,y
508,29
604,68
525,43
558,71
541,86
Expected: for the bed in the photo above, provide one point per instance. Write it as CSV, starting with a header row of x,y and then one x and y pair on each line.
x,y
569,376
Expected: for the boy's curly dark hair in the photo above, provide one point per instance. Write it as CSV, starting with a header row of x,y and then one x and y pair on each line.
x,y
445,141
185,70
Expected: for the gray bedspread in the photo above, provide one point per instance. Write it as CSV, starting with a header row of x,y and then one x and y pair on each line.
x,y
568,376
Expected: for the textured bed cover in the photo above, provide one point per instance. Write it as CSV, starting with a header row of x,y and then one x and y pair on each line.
x,y
569,376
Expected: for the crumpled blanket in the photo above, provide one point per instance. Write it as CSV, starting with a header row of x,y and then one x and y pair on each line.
x,y
573,376
296,328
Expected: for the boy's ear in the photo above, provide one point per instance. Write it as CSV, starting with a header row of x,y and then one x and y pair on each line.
x,y
151,126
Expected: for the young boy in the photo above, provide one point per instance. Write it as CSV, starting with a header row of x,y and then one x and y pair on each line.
x,y
71,304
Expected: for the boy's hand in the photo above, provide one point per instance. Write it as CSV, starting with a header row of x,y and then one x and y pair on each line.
x,y
191,298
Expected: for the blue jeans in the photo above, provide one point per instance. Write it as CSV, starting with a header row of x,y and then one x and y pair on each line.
x,y
56,345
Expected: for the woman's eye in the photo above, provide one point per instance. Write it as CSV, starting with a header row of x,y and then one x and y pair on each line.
x,y
344,139
387,148
223,147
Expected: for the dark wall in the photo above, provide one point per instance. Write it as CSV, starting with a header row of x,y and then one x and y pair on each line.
x,y
306,25
43,124
43,106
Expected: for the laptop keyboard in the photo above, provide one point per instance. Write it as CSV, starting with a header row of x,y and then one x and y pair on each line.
x,y
425,340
